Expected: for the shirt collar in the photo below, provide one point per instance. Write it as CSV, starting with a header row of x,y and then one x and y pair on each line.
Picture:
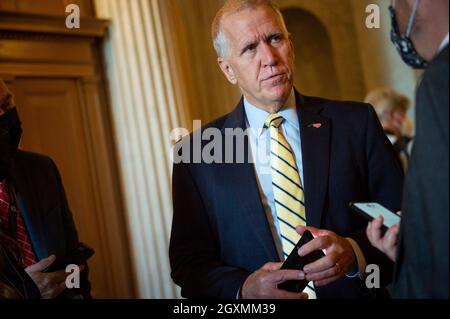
x,y
257,116
444,43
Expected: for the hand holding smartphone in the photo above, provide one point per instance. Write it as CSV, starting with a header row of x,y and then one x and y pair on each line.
x,y
370,211
295,261
77,256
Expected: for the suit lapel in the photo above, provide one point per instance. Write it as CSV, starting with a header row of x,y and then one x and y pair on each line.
x,y
315,133
242,182
28,208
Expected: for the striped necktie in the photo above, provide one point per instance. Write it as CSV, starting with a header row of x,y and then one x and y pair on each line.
x,y
287,189
28,255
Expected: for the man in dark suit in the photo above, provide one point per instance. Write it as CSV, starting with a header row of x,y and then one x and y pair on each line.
x,y
34,209
422,255
236,212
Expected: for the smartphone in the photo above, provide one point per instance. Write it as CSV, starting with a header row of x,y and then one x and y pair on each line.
x,y
77,256
295,261
371,211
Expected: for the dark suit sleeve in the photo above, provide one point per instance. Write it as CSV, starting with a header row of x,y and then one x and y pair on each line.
x,y
194,251
385,184
71,237
423,261
434,90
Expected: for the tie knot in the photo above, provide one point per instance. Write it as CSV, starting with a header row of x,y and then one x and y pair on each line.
x,y
274,120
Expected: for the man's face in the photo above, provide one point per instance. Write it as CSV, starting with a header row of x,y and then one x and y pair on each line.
x,y
260,57
422,35
402,12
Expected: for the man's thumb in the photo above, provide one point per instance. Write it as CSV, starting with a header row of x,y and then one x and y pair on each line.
x,y
41,265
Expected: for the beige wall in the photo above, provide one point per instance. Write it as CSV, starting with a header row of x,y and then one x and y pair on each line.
x,y
382,66
209,93
336,17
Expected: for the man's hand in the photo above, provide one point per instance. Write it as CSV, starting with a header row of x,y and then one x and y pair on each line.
x,y
386,243
338,260
50,284
262,284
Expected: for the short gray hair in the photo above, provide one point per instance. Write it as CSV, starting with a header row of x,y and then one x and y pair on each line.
x,y
220,41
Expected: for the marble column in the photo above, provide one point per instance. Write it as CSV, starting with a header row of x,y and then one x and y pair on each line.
x,y
145,107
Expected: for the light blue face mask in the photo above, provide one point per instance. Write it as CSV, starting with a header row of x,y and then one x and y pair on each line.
x,y
404,45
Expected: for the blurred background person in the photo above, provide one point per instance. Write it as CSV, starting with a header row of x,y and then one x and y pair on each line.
x,y
392,108
419,245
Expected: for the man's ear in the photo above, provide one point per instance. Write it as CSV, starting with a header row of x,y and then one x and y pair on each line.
x,y
291,43
227,70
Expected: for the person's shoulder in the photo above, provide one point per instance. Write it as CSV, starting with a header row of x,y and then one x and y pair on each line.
x,y
216,124
437,70
31,159
338,108
35,167
441,59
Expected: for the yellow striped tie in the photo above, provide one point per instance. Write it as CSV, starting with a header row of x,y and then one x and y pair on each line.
x,y
287,188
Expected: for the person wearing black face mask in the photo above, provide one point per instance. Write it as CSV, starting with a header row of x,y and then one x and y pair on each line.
x,y
419,245
14,281
31,189
10,133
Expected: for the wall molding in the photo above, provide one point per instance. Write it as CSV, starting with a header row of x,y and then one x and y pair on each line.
x,y
145,102
32,23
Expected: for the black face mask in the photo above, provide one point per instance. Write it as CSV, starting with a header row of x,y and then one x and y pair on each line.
x,y
10,134
403,43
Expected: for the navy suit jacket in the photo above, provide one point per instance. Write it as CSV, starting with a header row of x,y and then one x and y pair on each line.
x,y
220,234
43,204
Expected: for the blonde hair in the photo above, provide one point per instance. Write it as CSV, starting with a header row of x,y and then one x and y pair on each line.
x,y
220,41
386,100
